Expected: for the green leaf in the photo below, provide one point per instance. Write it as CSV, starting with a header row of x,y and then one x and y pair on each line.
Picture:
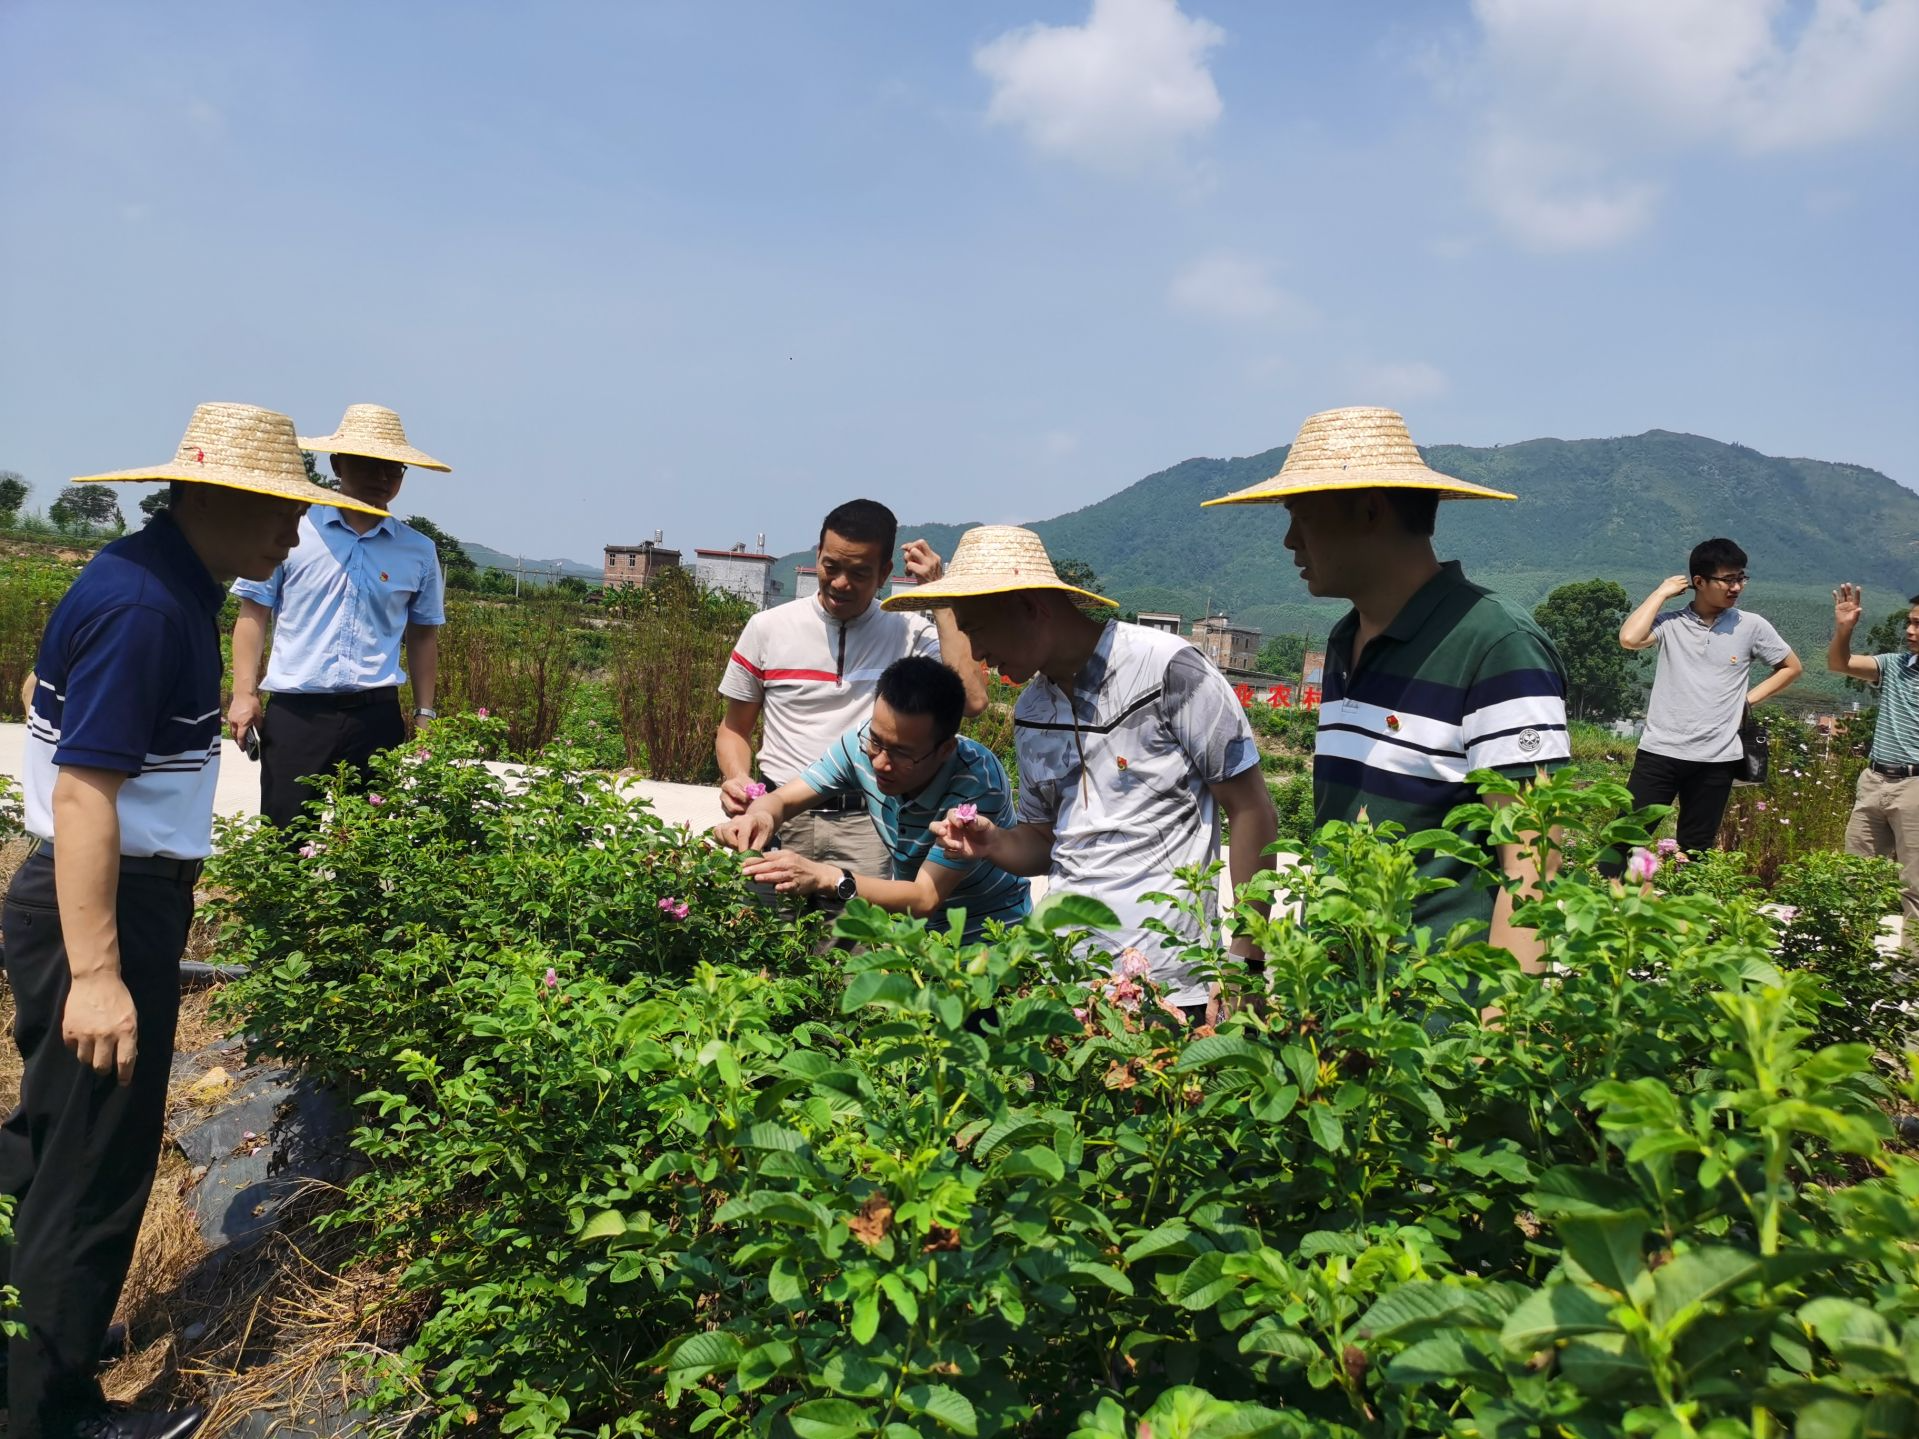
x,y
1698,1275
762,1365
947,1406
1328,1133
1271,1337
903,1298
1165,1239
877,986
850,1372
1072,911
1425,1304
1035,1160
998,1141
1609,1248
1607,1365
783,1283
828,1419
774,1137
866,1317
1204,1282
1218,1050
1104,1274
714,1352
1554,1313
1437,1356
607,1224
1573,1192
1854,1333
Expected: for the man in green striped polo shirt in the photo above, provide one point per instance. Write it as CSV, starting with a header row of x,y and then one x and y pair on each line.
x,y
1885,812
1428,677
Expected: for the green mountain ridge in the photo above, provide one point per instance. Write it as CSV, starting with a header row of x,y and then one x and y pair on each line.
x,y
1627,508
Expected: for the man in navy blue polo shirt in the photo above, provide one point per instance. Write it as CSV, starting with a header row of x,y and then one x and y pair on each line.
x,y
358,588
123,750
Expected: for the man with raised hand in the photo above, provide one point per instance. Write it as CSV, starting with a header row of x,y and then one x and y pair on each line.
x,y
123,750
360,587
1702,688
1428,677
1131,745
807,672
1885,811
910,766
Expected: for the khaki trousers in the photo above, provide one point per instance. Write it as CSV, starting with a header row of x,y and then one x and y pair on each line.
x,y
848,839
1885,822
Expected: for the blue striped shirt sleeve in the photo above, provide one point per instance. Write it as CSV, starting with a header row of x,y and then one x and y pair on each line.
x,y
836,771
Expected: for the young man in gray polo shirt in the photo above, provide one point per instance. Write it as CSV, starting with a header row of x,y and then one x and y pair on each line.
x,y
1885,812
1701,689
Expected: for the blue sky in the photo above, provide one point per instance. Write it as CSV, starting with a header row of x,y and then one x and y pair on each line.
x,y
711,267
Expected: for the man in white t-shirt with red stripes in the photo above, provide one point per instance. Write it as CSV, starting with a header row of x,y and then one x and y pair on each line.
x,y
809,669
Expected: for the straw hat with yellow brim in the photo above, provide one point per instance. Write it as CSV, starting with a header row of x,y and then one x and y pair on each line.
x,y
375,432
1359,448
993,560
241,447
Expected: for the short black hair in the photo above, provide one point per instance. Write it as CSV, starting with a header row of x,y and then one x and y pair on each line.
x,y
917,685
1416,510
864,522
1709,556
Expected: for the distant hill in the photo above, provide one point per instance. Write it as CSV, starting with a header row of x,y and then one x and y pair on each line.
x,y
1627,509
538,571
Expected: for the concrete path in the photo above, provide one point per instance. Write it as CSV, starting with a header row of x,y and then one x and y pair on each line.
x,y
238,792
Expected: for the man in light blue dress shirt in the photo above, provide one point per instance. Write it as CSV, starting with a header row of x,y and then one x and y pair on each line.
x,y
354,591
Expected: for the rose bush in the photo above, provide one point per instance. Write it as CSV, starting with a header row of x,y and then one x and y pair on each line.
x,y
656,1173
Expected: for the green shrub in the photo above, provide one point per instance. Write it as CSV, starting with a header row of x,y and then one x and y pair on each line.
x,y
514,660
1293,800
12,816
651,1174
666,655
1831,906
1804,805
29,589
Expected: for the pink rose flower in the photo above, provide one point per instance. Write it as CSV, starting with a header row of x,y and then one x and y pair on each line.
x,y
755,790
552,980
308,850
674,908
965,813
1642,865
1127,994
1668,847
1132,965
1760,805
376,799
481,712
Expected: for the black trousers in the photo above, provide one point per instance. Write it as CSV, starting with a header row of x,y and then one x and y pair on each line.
x,y
303,735
1701,788
79,1153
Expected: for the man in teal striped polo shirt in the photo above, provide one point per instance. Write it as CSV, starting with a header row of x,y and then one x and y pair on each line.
x,y
911,766
1428,677
1885,812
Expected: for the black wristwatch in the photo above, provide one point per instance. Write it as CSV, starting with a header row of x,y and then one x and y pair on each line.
x,y
847,887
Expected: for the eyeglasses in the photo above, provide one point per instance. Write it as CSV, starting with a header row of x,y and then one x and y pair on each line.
x,y
872,749
1728,580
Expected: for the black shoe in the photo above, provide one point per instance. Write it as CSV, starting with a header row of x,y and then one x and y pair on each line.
x,y
118,1423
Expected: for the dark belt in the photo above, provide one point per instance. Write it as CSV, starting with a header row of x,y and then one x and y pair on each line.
x,y
1895,771
181,871
840,804
342,699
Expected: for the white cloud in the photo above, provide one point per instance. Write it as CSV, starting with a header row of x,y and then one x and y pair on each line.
x,y
1121,92
1231,288
1583,105
1397,383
